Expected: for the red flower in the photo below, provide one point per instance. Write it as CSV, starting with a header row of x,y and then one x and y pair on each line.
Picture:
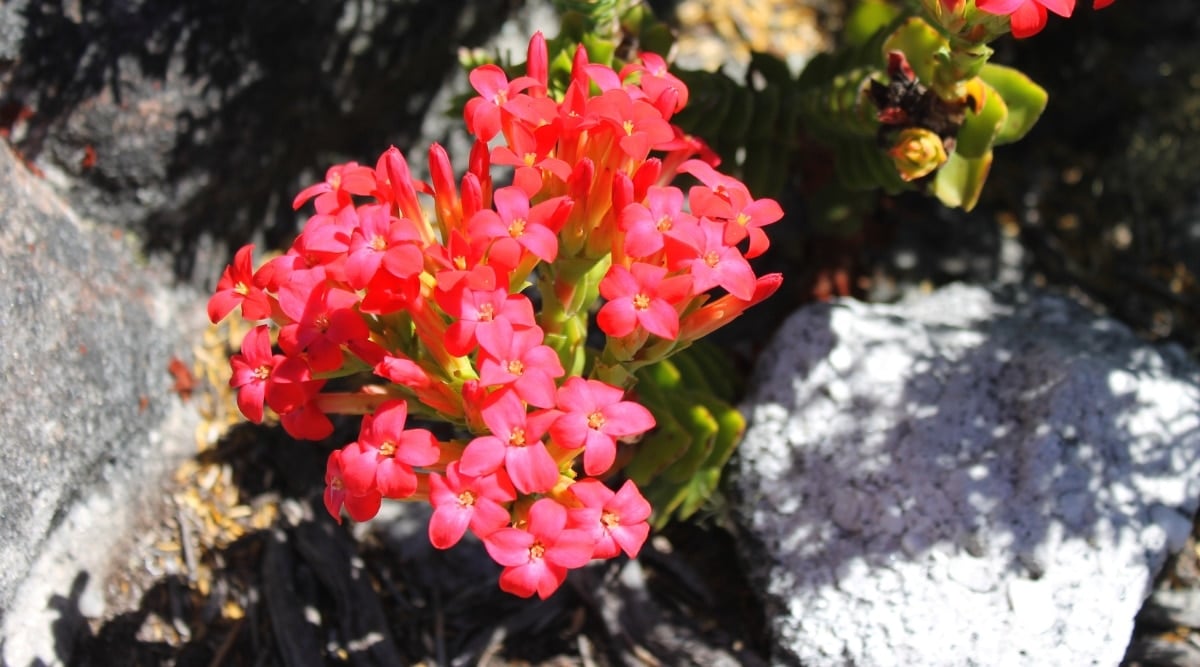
x,y
646,224
360,506
1027,17
482,113
641,296
461,501
340,182
712,262
328,320
515,443
385,454
477,300
307,422
536,559
593,415
252,371
639,126
617,521
238,288
516,358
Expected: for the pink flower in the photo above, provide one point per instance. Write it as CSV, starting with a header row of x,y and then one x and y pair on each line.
x,y
515,443
461,501
533,228
641,296
382,240
536,558
712,262
477,300
516,358
593,415
617,521
646,224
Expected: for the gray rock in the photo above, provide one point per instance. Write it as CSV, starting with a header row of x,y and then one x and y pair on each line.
x,y
88,419
967,478
204,120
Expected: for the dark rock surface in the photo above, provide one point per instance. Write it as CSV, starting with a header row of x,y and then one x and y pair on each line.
x,y
185,122
89,333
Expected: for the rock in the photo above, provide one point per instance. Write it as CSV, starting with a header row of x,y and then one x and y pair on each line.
x,y
965,478
194,125
88,418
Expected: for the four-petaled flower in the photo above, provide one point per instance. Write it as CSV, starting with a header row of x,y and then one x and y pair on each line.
x,y
536,557
643,296
462,501
593,415
515,444
616,520
385,454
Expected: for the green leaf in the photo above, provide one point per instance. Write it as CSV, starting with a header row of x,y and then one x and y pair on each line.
x,y
979,130
867,19
959,181
921,45
702,428
1025,100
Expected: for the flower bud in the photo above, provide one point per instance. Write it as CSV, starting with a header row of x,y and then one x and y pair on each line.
x,y
917,153
961,19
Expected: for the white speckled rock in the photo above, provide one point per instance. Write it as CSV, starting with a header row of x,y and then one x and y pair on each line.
x,y
968,478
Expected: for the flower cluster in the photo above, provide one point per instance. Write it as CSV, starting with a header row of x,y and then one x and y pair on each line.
x,y
476,312
1027,17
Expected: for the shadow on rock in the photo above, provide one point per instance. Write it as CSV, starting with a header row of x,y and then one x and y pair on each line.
x,y
184,121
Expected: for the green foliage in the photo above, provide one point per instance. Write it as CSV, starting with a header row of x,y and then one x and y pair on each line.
x,y
1024,100
678,464
751,124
